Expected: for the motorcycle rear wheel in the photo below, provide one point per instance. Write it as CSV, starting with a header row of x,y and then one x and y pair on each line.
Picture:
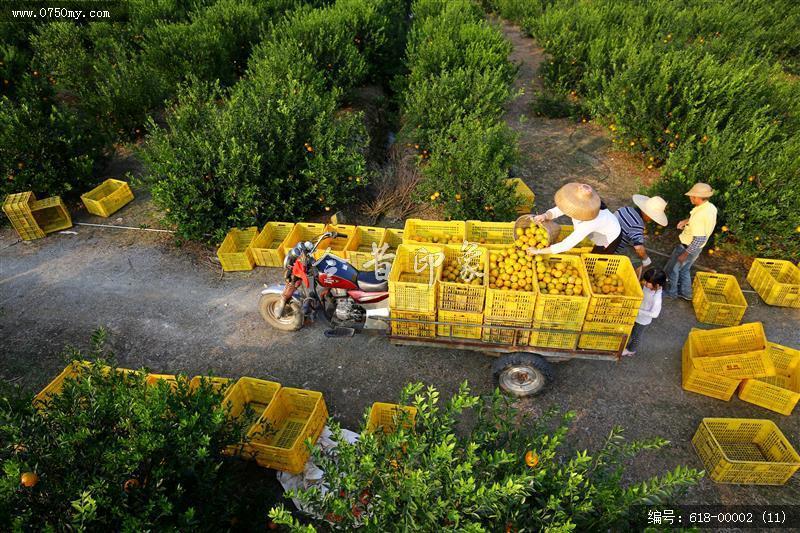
x,y
292,318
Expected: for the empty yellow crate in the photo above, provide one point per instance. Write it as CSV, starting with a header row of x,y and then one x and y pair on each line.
x,y
278,439
553,335
695,380
527,198
490,235
413,324
613,308
460,295
153,379
461,331
717,299
604,337
778,393
745,451
249,392
414,278
107,198
234,253
51,214
267,247
359,249
219,385
18,210
385,416
54,388
418,231
506,332
393,238
734,352
567,311
776,281
512,306
301,232
584,247
339,245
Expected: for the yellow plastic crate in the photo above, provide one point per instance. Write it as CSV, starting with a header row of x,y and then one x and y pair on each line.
x,y
385,416
779,393
745,451
54,388
567,311
494,334
252,392
552,336
418,325
511,306
776,281
267,247
525,193
234,253
734,352
107,198
491,235
717,299
604,337
359,249
301,232
584,247
51,214
18,210
153,379
393,237
613,308
339,245
410,285
418,231
705,383
278,438
462,331
219,385
461,296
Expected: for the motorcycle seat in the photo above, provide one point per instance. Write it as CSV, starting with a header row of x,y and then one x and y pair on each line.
x,y
368,282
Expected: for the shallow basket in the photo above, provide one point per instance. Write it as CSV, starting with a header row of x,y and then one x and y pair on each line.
x,y
302,231
413,324
418,231
705,383
339,245
557,309
779,393
717,299
745,451
359,249
491,235
526,195
234,253
107,198
410,286
604,337
278,438
776,281
734,352
384,417
17,208
584,247
461,331
461,296
267,247
252,392
613,308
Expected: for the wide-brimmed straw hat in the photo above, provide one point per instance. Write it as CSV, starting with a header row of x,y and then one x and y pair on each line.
x,y
654,207
578,201
701,190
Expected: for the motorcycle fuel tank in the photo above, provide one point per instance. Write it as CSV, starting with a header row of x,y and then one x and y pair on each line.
x,y
336,273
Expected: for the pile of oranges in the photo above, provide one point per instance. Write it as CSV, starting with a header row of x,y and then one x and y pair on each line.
x,y
453,272
607,284
512,269
443,239
558,277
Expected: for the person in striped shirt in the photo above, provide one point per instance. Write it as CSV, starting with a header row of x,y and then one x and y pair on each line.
x,y
632,221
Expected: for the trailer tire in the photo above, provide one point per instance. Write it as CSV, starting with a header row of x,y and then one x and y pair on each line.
x,y
522,374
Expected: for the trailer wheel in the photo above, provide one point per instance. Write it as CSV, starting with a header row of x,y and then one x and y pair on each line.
x,y
522,374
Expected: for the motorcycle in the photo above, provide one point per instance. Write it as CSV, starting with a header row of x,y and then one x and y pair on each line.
x,y
330,287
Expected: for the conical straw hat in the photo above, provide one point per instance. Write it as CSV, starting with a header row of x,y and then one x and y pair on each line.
x,y
578,201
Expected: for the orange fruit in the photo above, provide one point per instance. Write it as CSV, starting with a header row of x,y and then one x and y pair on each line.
x,y
531,459
130,484
29,479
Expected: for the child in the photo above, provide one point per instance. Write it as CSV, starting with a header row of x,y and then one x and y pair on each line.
x,y
652,284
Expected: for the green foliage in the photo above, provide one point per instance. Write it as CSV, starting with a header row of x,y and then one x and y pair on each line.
x,y
468,167
114,454
698,88
462,467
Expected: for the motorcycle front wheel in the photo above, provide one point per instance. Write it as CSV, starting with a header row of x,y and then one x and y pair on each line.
x,y
292,318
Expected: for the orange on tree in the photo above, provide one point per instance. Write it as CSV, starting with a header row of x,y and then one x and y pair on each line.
x,y
29,479
531,459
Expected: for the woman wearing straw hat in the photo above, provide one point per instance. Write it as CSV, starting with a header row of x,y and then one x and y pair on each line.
x,y
590,218
697,229
632,221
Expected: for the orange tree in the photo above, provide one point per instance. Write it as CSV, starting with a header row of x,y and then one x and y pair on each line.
x,y
475,464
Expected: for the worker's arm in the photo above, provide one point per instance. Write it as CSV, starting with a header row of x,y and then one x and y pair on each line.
x,y
696,244
642,253
550,214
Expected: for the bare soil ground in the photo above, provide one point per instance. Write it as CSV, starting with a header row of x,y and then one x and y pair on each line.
x,y
172,309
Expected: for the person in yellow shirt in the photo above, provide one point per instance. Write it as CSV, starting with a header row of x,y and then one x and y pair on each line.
x,y
697,230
